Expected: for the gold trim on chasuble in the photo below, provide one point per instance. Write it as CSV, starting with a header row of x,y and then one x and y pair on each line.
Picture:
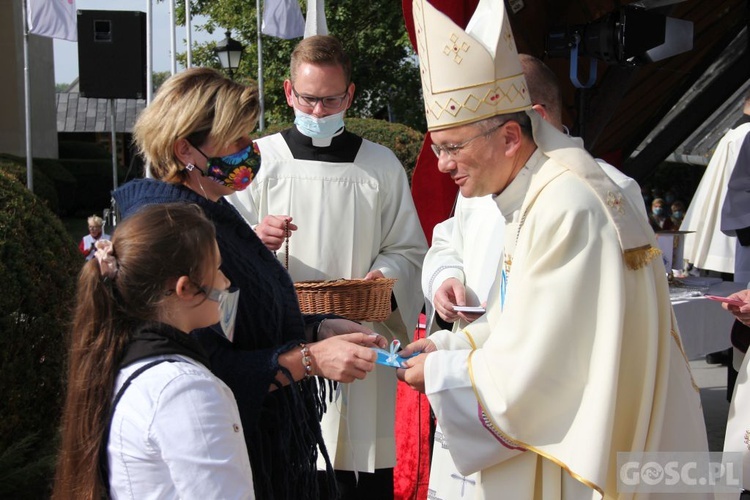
x,y
678,341
495,430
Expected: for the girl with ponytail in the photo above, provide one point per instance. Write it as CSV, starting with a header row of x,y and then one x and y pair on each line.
x,y
144,417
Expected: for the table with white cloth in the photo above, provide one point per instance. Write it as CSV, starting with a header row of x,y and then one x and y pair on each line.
x,y
704,324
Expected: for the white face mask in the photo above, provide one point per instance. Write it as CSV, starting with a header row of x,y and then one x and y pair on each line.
x,y
228,301
318,128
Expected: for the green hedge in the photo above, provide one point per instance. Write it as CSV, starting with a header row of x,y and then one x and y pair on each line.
x,y
38,266
44,187
405,142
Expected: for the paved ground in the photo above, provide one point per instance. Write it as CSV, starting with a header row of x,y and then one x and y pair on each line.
x,y
712,379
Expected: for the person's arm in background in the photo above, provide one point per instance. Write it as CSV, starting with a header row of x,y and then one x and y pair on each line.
x,y
443,264
742,313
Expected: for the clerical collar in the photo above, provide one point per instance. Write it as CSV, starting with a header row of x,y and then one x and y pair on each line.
x,y
510,200
322,142
343,147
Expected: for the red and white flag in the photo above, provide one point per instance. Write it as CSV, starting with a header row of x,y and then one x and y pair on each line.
x,y
53,18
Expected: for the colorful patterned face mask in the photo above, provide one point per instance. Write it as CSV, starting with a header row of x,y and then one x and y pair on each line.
x,y
236,171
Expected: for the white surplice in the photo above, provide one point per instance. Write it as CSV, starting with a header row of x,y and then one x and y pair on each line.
x,y
352,217
707,247
582,361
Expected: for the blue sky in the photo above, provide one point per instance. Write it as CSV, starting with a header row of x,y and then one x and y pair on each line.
x,y
66,53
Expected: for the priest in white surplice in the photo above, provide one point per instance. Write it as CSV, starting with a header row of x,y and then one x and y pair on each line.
x,y
707,247
348,203
578,356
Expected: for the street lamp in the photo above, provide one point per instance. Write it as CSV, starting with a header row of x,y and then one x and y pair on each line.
x,y
229,51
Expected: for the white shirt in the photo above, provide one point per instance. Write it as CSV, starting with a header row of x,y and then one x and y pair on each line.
x,y
176,433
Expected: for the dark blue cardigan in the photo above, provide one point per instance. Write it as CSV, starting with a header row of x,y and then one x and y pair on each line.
x,y
281,427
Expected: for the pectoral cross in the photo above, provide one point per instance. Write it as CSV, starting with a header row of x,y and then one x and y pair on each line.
x,y
463,480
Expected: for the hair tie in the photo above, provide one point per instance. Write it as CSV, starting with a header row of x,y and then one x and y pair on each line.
x,y
107,261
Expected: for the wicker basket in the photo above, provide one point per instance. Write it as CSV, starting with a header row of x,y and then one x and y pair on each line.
x,y
358,300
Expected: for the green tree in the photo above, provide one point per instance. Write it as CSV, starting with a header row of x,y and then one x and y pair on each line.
x,y
158,77
385,70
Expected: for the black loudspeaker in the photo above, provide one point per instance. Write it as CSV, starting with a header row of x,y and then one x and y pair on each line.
x,y
112,54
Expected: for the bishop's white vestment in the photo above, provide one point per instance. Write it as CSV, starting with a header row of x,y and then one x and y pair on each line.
x,y
354,212
469,247
578,356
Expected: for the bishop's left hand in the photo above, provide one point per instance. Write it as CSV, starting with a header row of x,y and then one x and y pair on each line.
x,y
413,374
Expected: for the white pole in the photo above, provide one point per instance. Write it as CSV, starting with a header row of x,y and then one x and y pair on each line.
x,y
261,120
114,142
172,37
149,63
149,52
189,28
27,100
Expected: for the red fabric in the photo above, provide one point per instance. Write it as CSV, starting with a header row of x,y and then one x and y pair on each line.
x,y
434,195
614,158
412,472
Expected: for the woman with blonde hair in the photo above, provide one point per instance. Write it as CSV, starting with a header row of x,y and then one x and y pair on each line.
x,y
96,233
144,417
195,135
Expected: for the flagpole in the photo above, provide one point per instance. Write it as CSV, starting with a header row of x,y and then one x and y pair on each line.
x,y
149,52
188,26
261,120
27,99
172,36
149,66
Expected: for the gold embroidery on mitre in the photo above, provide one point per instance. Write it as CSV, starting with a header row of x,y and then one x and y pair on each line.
x,y
489,80
614,201
747,439
454,48
493,97
509,40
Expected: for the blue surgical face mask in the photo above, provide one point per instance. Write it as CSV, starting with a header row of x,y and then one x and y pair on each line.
x,y
318,128
678,215
657,211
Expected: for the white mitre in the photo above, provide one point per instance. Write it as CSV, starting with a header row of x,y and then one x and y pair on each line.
x,y
469,75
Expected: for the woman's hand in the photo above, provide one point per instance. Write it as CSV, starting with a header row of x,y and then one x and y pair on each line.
x,y
346,357
421,345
